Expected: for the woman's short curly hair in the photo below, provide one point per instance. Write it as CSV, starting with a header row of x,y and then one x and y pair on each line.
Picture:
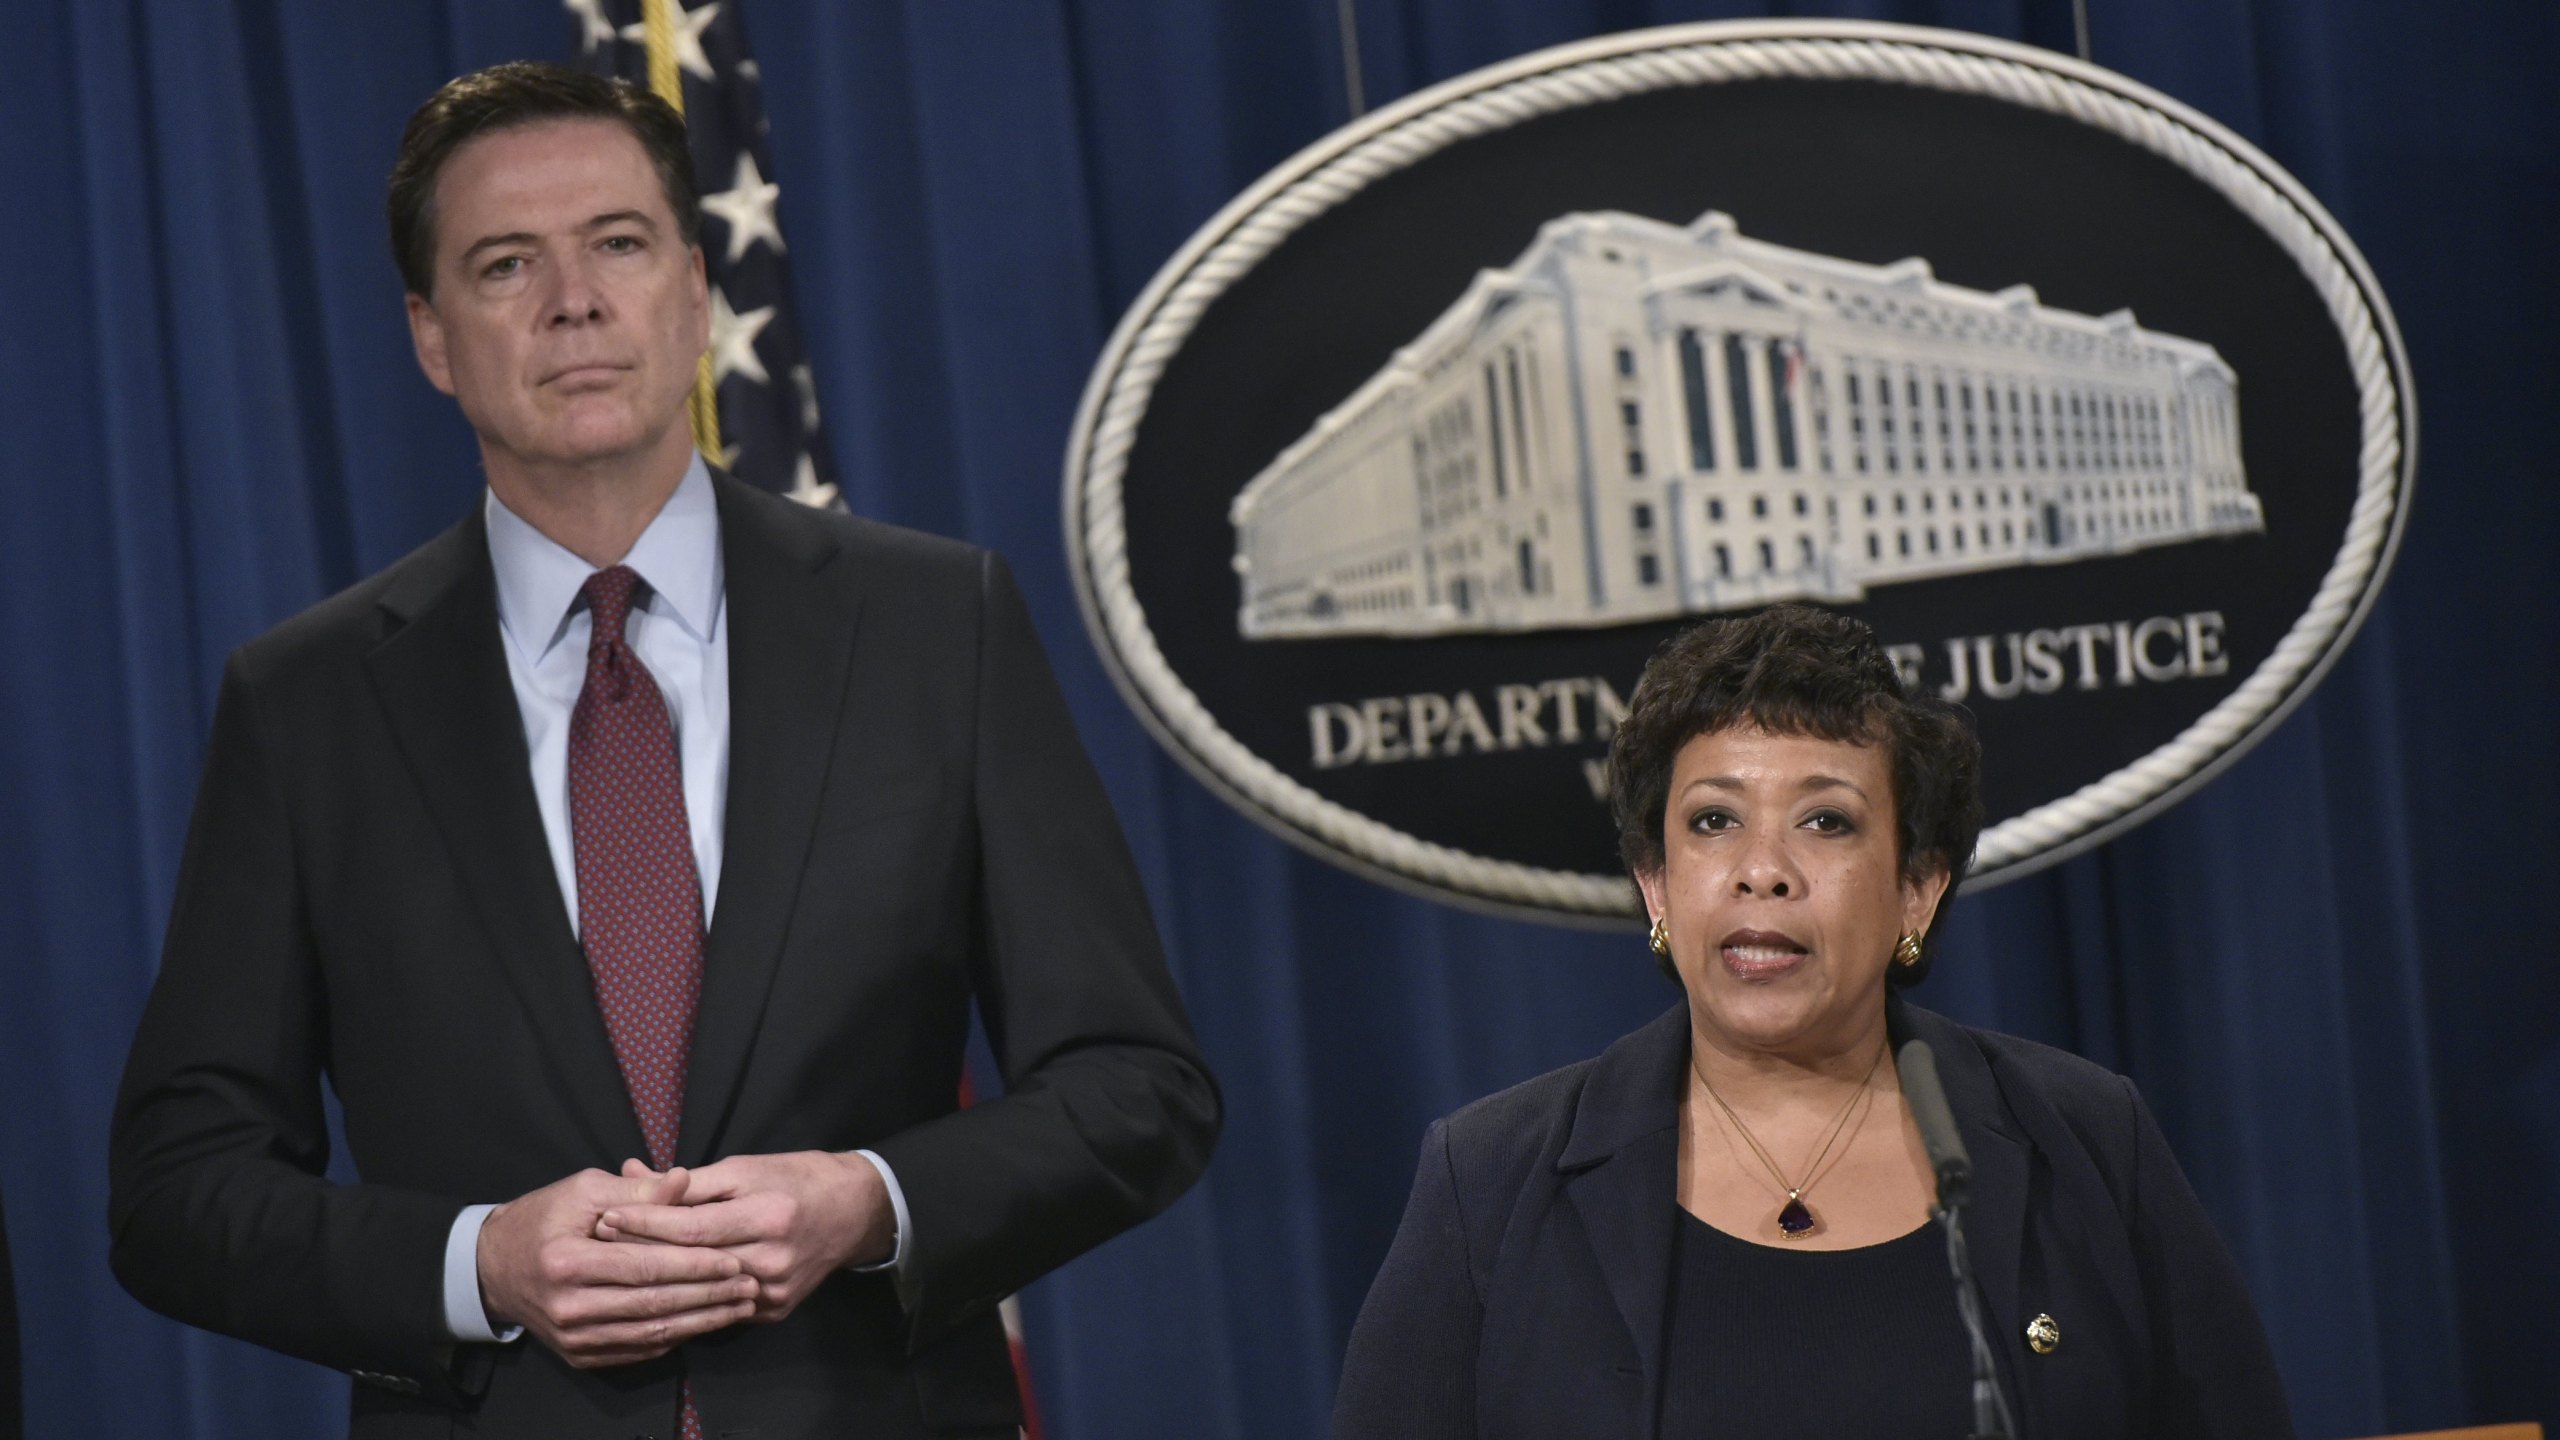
x,y
1798,670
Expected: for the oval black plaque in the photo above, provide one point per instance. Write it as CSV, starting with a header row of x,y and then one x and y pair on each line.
x,y
1394,476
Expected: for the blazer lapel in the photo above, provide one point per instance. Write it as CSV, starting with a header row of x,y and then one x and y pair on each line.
x,y
791,630
443,684
1621,1166
1995,1218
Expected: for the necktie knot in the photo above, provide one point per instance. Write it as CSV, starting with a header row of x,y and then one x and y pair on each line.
x,y
608,595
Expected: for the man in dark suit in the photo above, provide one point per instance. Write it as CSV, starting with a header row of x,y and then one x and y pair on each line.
x,y
636,850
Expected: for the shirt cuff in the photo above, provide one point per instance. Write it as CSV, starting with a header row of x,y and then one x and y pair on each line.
x,y
463,1313
897,1261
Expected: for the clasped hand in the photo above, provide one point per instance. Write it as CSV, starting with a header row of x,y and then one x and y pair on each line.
x,y
615,1269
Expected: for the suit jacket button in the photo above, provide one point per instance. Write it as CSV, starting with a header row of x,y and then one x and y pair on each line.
x,y
2044,1336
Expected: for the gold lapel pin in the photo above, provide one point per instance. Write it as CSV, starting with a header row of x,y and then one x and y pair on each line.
x,y
2043,1336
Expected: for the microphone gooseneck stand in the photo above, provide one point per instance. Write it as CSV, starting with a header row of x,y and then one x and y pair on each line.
x,y
1954,1173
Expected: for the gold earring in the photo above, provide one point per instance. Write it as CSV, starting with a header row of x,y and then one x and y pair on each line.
x,y
1906,951
1660,939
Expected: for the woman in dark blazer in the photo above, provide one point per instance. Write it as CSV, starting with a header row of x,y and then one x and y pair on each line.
x,y
1720,1226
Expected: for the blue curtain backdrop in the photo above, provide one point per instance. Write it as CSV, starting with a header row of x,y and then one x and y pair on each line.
x,y
2333,970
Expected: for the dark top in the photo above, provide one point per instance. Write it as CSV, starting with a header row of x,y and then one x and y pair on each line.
x,y
1525,1292
1759,1336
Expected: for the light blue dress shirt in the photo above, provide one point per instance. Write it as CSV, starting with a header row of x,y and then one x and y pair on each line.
x,y
679,632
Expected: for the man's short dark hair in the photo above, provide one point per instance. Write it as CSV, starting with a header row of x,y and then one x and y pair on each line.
x,y
1798,670
523,92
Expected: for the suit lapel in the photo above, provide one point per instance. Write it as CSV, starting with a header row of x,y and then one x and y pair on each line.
x,y
1621,1167
791,629
443,685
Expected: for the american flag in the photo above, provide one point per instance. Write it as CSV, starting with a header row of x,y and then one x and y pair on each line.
x,y
764,428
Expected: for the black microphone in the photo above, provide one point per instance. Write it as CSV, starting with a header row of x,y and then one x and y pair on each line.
x,y
1938,1133
1954,1173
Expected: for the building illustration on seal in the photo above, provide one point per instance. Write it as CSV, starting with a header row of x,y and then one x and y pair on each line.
x,y
1638,420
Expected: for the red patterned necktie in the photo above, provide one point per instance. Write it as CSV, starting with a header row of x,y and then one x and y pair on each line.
x,y
639,896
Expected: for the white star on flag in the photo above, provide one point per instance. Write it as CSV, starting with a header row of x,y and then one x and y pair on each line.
x,y
747,207
689,30
806,488
593,28
733,339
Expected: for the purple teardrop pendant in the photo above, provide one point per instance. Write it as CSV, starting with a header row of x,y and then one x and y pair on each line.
x,y
1795,1222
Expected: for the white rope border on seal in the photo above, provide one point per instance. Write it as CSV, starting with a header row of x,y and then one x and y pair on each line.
x,y
1850,51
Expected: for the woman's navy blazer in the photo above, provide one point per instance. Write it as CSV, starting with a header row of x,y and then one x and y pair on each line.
x,y
1525,1291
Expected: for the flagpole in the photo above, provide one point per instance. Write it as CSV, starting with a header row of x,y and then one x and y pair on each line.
x,y
658,23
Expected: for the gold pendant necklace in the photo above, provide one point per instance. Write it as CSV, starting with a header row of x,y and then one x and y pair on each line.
x,y
1796,1219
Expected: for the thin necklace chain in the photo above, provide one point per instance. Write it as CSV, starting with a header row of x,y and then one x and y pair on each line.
x,y
1837,1121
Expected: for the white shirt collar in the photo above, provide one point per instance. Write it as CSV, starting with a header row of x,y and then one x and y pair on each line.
x,y
678,556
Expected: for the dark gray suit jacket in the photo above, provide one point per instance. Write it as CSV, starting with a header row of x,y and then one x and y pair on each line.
x,y
1524,1294
367,896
